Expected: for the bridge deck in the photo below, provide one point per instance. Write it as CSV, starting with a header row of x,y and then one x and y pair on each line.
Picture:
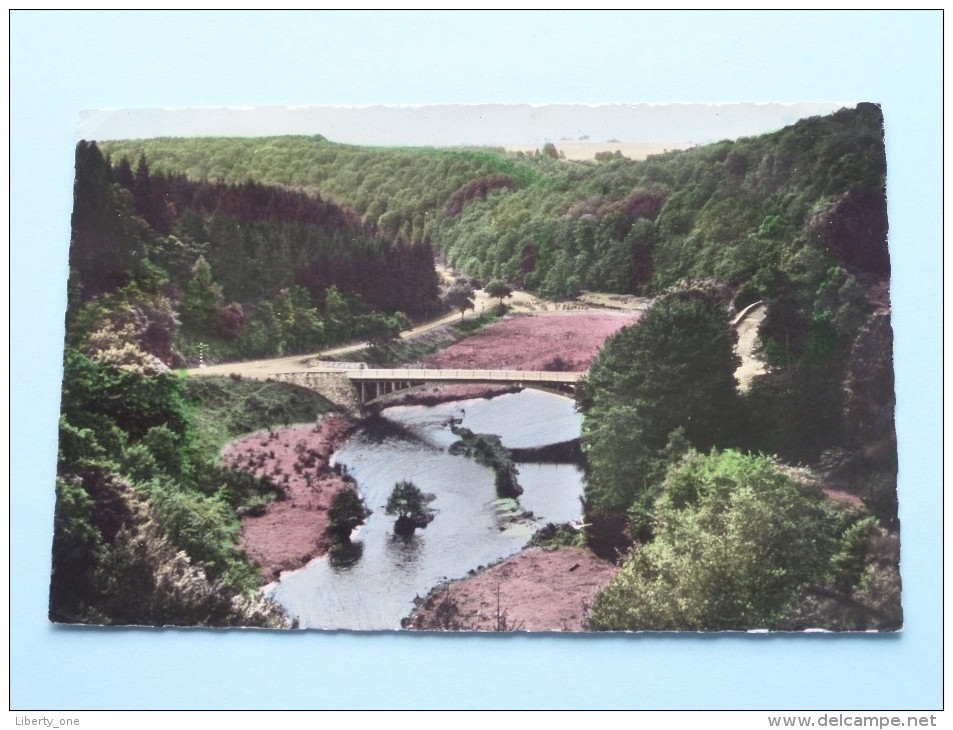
x,y
371,385
433,375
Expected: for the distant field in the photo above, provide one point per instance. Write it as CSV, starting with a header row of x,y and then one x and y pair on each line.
x,y
588,150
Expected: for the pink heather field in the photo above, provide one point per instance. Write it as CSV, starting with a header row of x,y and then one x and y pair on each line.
x,y
535,590
291,531
564,341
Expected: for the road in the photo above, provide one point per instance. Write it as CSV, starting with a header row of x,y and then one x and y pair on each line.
x,y
747,348
519,302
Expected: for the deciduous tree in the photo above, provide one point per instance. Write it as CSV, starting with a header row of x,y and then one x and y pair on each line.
x,y
498,290
347,512
673,370
735,541
460,296
408,503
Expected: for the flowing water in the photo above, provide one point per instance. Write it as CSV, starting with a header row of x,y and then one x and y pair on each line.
x,y
374,585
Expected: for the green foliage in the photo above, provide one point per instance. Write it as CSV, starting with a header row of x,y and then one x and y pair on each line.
x,y
76,544
735,541
459,297
166,234
143,506
498,290
552,537
474,325
676,367
408,503
382,331
405,500
286,324
346,513
796,218
795,413
201,302
132,328
727,209
113,563
108,242
206,527
489,451
671,373
400,191
133,402
222,409
807,335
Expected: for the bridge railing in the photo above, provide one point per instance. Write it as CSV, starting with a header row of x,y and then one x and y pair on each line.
x,y
529,376
338,365
439,374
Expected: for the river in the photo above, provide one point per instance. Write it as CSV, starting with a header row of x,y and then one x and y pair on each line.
x,y
374,586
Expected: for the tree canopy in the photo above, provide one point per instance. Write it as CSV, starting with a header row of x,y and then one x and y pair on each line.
x,y
460,297
672,371
346,513
408,503
498,290
735,541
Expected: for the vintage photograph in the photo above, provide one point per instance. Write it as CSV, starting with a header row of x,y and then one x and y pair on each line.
x,y
487,368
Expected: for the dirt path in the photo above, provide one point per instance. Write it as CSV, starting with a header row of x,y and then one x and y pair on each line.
x,y
748,347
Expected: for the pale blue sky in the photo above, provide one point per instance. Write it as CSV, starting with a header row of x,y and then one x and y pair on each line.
x,y
461,124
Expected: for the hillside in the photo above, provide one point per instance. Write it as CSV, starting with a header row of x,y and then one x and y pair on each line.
x,y
743,211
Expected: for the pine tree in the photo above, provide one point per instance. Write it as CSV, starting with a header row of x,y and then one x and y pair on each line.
x,y
201,301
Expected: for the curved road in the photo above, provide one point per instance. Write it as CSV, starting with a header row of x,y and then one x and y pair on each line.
x,y
520,301
746,324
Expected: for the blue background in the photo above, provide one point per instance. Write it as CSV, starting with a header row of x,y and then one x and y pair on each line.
x,y
62,62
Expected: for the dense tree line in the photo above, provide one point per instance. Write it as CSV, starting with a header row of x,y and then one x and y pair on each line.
x,y
742,211
162,269
146,522
400,191
655,390
172,266
659,396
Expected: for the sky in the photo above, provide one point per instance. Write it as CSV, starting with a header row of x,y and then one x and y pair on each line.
x,y
448,125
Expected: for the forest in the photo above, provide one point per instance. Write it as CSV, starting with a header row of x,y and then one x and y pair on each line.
x,y
214,249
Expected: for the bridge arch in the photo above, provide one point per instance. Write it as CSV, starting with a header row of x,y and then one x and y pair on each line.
x,y
382,398
373,385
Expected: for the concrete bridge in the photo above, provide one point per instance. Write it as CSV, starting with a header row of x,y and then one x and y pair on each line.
x,y
369,386
374,384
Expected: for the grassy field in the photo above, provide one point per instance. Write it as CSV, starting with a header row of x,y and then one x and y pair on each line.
x,y
224,408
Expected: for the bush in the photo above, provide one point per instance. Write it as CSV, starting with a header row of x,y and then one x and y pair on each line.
x,y
346,513
407,502
736,540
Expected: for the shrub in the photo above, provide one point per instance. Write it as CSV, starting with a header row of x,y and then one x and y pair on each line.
x,y
347,512
407,502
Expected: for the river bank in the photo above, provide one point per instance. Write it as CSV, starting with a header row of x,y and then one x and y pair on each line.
x,y
291,531
435,394
537,589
